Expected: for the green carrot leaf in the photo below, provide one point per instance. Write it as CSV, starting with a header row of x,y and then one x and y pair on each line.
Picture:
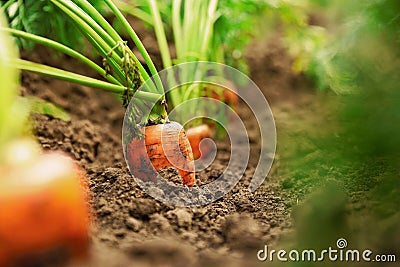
x,y
41,106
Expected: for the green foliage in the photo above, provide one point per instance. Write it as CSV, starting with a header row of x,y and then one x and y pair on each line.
x,y
238,23
323,215
303,41
323,52
14,109
141,10
121,67
359,149
12,115
41,17
40,106
232,28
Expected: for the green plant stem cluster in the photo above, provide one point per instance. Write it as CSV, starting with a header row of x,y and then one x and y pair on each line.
x,y
121,68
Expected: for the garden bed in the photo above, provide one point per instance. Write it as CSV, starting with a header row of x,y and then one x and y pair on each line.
x,y
335,173
130,226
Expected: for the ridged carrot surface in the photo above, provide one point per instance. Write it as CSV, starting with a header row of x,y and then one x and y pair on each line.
x,y
164,145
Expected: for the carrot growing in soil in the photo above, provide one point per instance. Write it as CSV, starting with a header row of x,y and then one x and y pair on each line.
x,y
122,70
162,150
200,31
193,32
208,30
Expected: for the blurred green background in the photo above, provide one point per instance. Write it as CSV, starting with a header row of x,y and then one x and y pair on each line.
x,y
344,164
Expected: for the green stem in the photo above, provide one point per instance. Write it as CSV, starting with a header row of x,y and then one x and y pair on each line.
x,y
185,26
209,26
86,17
7,5
79,79
62,48
142,70
103,28
175,94
138,44
92,12
177,26
160,34
101,46
131,9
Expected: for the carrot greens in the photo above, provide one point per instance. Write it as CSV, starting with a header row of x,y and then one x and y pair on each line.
x,y
123,72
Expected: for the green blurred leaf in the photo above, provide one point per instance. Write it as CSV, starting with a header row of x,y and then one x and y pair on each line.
x,y
42,18
11,119
40,106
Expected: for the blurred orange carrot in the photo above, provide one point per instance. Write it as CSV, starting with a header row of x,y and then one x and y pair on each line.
x,y
43,210
228,96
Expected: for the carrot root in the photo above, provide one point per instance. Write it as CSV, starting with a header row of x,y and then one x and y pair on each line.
x,y
228,96
164,145
196,135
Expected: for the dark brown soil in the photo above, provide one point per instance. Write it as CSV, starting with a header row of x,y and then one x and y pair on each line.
x,y
129,228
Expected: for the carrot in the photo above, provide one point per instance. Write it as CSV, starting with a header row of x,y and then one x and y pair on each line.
x,y
164,145
230,97
195,135
43,210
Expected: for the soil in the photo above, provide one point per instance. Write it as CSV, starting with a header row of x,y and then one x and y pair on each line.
x,y
128,227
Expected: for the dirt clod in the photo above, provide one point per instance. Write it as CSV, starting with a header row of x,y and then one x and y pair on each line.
x,y
133,224
241,231
143,208
180,217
